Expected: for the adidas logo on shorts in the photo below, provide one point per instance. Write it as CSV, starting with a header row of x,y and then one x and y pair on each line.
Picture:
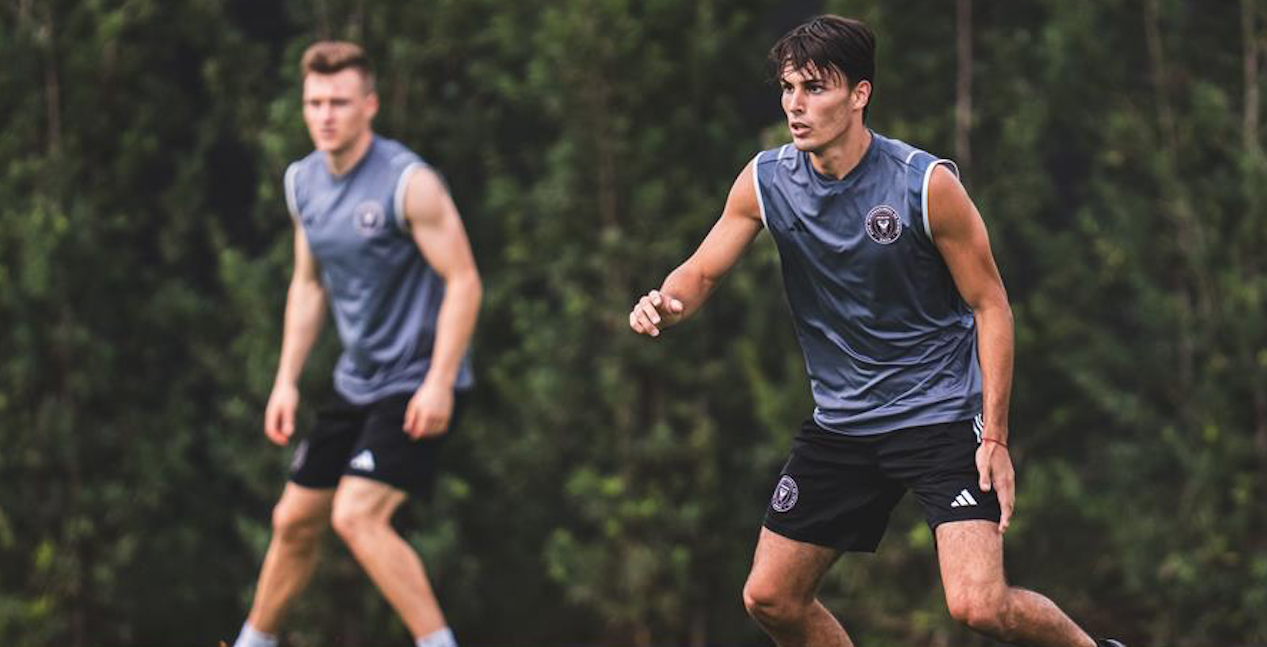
x,y
363,461
963,499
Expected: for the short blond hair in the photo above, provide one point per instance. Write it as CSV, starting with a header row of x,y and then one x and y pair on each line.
x,y
334,56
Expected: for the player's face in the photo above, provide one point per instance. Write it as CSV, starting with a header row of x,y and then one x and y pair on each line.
x,y
337,109
821,109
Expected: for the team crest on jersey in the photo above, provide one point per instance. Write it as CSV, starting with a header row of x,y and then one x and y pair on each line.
x,y
785,494
883,224
369,218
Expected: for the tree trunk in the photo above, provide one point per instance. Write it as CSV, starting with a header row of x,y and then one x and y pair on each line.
x,y
1252,50
324,30
1176,204
699,627
52,84
963,82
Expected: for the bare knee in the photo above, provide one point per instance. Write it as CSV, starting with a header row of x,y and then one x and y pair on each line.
x,y
355,522
296,527
771,605
984,611
349,522
363,510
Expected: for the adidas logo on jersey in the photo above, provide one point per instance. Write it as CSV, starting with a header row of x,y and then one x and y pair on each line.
x,y
363,461
962,500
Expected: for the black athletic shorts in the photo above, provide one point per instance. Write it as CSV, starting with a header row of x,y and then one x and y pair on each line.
x,y
837,491
368,441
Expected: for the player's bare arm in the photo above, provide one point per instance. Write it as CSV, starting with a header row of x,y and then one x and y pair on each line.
x,y
437,229
960,235
305,314
688,287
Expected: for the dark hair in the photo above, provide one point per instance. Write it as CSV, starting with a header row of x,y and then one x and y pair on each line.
x,y
334,56
830,44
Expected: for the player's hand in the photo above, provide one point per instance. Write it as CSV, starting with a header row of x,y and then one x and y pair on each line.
x,y
279,415
653,312
994,466
429,411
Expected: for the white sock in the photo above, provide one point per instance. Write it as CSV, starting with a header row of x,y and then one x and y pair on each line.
x,y
438,638
252,637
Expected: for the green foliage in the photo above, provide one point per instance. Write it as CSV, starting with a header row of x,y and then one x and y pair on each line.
x,y
605,488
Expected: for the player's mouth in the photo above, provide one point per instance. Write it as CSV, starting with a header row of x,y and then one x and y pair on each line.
x,y
798,129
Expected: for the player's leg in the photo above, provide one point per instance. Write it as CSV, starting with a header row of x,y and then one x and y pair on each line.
x,y
830,498
299,520
970,554
939,464
781,589
362,516
386,467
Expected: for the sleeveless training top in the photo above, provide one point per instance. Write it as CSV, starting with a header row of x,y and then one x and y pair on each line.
x,y
384,296
888,341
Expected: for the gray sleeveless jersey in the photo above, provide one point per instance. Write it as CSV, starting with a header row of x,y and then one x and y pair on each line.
x,y
384,296
889,343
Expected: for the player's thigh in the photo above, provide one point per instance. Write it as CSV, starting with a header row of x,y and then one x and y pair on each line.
x,y
785,569
970,555
359,500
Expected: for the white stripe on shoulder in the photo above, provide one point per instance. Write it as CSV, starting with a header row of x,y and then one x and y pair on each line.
x,y
756,186
912,154
402,185
923,194
288,184
782,151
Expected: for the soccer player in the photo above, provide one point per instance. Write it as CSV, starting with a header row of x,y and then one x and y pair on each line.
x,y
907,336
378,242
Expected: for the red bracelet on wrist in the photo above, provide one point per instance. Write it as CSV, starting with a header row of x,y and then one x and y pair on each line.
x,y
995,441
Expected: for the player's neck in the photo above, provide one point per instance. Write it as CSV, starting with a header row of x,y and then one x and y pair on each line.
x,y
341,161
841,156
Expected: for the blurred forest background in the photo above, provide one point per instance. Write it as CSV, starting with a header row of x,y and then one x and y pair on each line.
x,y
605,489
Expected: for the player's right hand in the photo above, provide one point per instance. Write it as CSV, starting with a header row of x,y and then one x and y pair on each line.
x,y
653,312
279,416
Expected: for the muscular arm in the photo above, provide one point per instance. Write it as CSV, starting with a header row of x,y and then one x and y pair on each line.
x,y
687,288
305,314
960,236
437,229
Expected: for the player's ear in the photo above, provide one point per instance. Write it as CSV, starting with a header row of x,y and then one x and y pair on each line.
x,y
861,95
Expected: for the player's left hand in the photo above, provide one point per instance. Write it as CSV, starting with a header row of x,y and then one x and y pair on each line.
x,y
994,466
429,411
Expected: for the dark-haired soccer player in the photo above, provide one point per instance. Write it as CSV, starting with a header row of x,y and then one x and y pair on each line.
x,y
378,242
907,337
